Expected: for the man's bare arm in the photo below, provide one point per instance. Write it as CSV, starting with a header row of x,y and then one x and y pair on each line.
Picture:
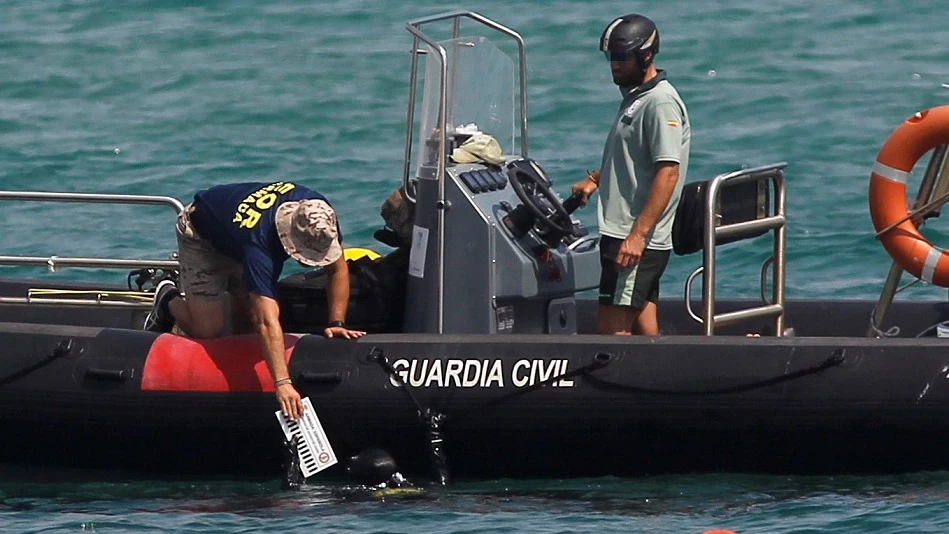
x,y
265,314
663,185
337,299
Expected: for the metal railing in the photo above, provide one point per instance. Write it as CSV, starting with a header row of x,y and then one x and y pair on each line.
x,y
714,231
414,27
100,298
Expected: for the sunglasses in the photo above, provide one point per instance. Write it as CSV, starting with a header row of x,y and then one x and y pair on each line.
x,y
618,56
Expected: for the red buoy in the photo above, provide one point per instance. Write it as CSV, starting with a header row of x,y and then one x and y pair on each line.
x,y
221,365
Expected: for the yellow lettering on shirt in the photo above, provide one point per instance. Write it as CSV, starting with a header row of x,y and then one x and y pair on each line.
x,y
266,201
253,217
263,199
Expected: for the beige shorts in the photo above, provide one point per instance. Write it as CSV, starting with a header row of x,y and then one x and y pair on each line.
x,y
205,273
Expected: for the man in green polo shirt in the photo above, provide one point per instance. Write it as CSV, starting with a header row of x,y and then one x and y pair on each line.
x,y
640,179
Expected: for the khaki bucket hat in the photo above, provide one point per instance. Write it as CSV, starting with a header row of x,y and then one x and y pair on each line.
x,y
479,147
308,232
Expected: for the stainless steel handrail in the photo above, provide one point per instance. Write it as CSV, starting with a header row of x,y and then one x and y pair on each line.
x,y
414,27
715,231
93,198
52,262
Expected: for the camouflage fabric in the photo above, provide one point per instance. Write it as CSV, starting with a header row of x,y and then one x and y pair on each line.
x,y
399,215
308,231
205,272
479,148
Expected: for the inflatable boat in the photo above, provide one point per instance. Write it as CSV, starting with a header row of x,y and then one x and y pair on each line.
x,y
482,358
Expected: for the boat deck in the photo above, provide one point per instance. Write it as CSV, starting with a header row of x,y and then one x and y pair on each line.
x,y
805,317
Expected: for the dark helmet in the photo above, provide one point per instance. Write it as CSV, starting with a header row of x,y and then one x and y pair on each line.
x,y
372,466
630,36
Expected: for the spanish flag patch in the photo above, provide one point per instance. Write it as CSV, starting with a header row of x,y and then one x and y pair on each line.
x,y
673,124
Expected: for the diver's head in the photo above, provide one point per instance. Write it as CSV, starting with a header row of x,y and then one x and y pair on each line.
x,y
372,467
630,43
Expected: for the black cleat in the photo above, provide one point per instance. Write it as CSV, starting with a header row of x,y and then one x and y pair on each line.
x,y
160,318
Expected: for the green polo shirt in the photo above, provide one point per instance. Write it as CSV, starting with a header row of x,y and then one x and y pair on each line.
x,y
652,126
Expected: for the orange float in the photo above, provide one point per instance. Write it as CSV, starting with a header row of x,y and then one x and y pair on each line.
x,y
909,141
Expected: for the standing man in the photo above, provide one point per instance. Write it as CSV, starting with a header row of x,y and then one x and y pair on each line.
x,y
236,238
640,179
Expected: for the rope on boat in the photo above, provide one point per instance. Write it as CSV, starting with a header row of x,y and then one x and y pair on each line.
x,y
432,419
835,359
894,330
931,328
61,349
600,360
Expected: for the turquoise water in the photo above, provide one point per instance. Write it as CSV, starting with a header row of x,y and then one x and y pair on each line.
x,y
169,97
910,504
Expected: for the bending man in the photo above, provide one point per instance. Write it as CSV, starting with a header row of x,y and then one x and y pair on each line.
x,y
236,238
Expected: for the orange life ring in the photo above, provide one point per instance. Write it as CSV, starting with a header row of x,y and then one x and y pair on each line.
x,y
917,135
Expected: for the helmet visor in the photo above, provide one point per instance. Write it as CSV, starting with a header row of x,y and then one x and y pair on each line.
x,y
618,56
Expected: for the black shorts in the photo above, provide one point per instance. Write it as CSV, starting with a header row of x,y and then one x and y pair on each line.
x,y
631,287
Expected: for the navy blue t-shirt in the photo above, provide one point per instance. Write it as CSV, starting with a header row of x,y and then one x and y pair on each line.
x,y
239,220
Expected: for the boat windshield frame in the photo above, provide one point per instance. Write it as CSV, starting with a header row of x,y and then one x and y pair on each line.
x,y
441,55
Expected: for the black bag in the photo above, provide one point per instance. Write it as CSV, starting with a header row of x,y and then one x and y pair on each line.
x,y
376,296
739,202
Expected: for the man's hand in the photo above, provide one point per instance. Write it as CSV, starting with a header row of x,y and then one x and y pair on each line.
x,y
586,187
290,402
337,297
630,252
341,331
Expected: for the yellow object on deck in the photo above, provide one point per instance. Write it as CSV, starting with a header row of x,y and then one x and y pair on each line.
x,y
353,254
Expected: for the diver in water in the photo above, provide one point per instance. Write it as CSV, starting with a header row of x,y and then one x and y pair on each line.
x,y
374,471
377,473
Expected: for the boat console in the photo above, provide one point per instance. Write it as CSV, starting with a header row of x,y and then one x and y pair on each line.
x,y
494,249
504,269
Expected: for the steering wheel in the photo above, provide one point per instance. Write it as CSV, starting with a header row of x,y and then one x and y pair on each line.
x,y
531,186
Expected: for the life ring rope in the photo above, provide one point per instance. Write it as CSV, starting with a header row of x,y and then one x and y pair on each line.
x,y
935,203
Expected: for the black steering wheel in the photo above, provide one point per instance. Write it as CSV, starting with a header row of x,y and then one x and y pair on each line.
x,y
531,185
